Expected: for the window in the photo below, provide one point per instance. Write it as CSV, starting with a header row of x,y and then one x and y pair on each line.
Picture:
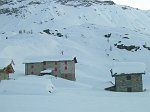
x,y
55,69
128,77
65,67
32,66
66,76
66,62
129,89
55,63
44,63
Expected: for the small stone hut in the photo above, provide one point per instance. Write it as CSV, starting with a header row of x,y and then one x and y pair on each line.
x,y
64,68
6,67
128,76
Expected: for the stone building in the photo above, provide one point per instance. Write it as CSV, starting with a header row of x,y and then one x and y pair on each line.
x,y
128,77
6,67
59,68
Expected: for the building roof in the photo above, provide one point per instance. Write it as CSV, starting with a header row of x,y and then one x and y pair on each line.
x,y
42,59
128,68
4,62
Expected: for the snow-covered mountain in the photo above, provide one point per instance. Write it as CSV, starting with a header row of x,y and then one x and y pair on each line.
x,y
97,32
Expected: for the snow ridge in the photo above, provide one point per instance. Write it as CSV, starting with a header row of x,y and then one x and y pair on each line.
x,y
97,35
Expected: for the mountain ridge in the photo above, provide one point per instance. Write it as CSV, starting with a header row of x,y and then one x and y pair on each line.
x,y
97,35
48,22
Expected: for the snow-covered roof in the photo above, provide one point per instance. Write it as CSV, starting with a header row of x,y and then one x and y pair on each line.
x,y
128,68
41,59
4,62
47,71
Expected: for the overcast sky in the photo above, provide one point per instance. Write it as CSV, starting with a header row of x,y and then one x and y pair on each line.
x,y
141,4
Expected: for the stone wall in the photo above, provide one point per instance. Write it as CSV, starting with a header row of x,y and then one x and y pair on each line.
x,y
64,69
134,84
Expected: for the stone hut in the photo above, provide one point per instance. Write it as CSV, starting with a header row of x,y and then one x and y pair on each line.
x,y
6,67
64,68
128,77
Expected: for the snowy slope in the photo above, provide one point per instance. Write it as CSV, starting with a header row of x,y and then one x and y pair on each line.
x,y
44,28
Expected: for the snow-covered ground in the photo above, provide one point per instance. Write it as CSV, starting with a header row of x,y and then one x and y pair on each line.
x,y
81,32
32,95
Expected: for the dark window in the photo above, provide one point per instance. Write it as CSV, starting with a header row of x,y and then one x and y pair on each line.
x,y
129,89
128,77
55,69
66,76
66,62
44,63
65,67
55,63
32,66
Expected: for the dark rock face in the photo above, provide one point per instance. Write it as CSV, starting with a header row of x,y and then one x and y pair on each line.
x,y
129,48
146,47
9,2
9,11
54,33
85,3
2,2
75,3
14,10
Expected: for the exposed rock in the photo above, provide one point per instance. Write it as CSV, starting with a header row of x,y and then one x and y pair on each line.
x,y
128,48
85,3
